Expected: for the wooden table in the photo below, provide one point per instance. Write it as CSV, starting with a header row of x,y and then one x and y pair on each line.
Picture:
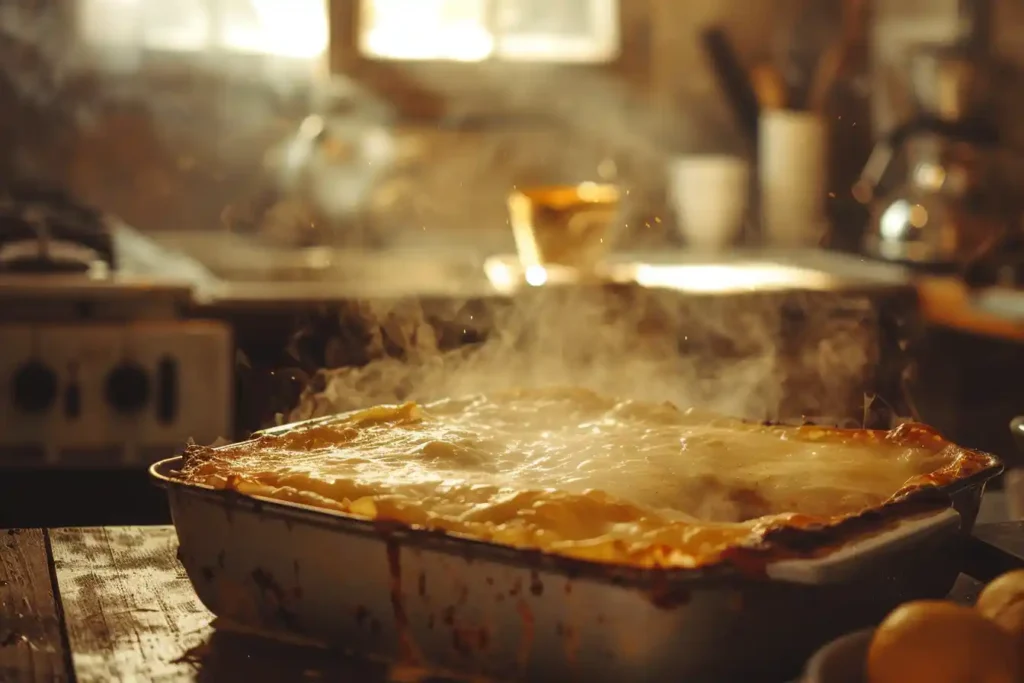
x,y
114,604
102,604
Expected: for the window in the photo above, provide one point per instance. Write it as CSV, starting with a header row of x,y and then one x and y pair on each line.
x,y
430,57
580,31
284,28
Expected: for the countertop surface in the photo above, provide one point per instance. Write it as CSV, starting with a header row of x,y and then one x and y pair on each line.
x,y
230,269
99,604
223,267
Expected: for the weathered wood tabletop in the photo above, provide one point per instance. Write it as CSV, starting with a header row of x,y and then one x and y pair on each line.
x,y
124,610
113,604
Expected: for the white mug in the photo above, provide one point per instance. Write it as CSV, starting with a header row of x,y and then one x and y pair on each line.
x,y
709,194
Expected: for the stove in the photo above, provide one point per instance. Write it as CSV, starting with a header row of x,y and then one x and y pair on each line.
x,y
44,230
100,369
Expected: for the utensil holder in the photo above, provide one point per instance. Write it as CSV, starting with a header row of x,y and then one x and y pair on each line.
x,y
792,170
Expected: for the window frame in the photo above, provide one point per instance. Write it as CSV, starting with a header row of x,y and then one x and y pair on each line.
x,y
398,81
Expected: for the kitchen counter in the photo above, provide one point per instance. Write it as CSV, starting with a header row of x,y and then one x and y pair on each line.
x,y
113,603
228,269
234,270
231,269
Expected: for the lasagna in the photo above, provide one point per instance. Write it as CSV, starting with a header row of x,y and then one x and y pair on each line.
x,y
574,473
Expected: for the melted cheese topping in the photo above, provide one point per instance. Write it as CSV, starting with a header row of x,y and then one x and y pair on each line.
x,y
573,472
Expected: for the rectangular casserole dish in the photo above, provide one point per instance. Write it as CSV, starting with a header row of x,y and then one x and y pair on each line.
x,y
450,603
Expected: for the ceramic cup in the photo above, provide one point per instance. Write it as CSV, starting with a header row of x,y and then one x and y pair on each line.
x,y
709,195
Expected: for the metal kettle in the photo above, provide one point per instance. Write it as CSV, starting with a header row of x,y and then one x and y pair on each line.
x,y
331,164
945,207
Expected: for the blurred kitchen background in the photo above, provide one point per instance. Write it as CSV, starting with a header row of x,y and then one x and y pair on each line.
x,y
170,114
349,145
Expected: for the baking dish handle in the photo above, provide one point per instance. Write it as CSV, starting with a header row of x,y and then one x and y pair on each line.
x,y
849,560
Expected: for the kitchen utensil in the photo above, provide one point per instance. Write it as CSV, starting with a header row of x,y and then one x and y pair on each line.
x,y
798,43
327,170
797,74
825,74
833,61
792,172
565,225
769,86
709,194
733,79
947,207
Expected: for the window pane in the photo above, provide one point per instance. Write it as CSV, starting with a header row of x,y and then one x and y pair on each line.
x,y
286,28
179,25
563,18
558,30
426,29
110,23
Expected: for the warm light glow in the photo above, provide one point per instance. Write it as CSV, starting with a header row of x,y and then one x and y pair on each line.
x,y
285,28
918,216
295,29
731,277
110,23
536,276
427,30
893,224
506,274
467,31
501,276
931,176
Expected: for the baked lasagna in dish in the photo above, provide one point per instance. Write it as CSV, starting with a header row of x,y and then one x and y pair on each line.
x,y
574,473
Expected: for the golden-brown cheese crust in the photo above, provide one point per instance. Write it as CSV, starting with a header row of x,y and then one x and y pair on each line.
x,y
454,467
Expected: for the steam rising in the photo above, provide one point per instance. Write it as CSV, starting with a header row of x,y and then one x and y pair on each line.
x,y
34,51
757,356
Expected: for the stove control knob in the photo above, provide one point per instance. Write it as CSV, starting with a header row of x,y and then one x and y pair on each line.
x,y
34,389
127,388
